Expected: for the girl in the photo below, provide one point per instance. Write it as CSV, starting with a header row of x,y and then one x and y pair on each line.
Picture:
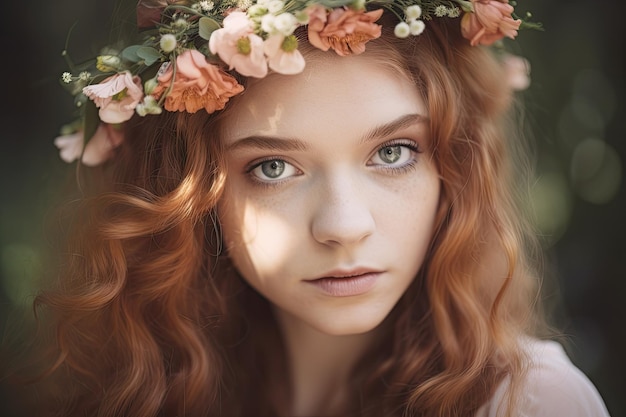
x,y
302,208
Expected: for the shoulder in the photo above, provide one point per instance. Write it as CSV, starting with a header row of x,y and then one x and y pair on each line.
x,y
552,386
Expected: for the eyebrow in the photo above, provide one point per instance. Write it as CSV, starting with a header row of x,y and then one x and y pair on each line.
x,y
270,143
290,144
390,128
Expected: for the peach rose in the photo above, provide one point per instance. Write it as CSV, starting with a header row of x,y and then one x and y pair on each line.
x,y
490,22
197,85
344,30
116,96
99,148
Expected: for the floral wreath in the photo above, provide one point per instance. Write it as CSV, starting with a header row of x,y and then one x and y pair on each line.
x,y
188,49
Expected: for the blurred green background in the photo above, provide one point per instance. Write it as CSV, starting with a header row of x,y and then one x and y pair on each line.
x,y
575,109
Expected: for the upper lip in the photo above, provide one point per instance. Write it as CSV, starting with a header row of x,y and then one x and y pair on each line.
x,y
346,273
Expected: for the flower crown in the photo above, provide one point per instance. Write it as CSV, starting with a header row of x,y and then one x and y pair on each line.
x,y
188,49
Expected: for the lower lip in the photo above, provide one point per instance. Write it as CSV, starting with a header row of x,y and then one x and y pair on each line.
x,y
346,287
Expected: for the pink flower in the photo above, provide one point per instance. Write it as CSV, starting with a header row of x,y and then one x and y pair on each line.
x,y
239,47
116,96
283,55
491,21
100,148
344,30
517,70
197,85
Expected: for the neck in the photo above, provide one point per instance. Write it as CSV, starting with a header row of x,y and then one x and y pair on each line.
x,y
320,366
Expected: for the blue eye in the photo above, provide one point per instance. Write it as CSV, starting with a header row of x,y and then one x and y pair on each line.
x,y
273,169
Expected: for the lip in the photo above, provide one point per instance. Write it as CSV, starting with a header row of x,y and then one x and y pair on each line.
x,y
346,283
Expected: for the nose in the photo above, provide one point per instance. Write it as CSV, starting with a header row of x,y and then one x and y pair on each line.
x,y
343,214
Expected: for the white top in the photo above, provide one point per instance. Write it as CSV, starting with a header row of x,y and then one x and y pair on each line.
x,y
554,386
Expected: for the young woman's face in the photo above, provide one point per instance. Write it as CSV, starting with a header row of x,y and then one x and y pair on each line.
x,y
331,194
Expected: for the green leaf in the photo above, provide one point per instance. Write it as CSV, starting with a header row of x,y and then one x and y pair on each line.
x,y
150,55
206,26
531,25
130,53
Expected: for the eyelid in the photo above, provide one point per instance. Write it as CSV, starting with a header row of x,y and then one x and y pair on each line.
x,y
252,165
412,144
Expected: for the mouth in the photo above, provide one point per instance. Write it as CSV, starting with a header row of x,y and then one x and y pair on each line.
x,y
346,283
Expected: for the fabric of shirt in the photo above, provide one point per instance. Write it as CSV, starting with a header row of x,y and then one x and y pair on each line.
x,y
553,387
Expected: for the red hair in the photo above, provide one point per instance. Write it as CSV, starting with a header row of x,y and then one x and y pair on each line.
x,y
151,319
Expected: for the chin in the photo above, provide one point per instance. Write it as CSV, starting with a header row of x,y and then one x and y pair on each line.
x,y
348,326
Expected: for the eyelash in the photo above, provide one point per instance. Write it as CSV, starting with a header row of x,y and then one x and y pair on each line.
x,y
394,170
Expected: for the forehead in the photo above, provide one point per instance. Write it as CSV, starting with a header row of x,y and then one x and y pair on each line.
x,y
330,93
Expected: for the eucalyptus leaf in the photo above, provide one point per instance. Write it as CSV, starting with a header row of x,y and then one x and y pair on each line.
x,y
206,26
150,55
130,53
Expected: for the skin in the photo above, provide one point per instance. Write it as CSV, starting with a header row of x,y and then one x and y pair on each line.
x,y
316,188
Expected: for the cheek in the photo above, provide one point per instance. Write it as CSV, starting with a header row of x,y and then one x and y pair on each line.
x,y
260,237
414,208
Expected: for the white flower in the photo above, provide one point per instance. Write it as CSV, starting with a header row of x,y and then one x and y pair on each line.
x,y
206,5
181,24
168,42
66,77
84,76
413,12
149,106
256,10
285,23
402,30
275,6
267,24
417,27
441,11
454,12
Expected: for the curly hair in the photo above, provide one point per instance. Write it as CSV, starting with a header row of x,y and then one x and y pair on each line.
x,y
151,319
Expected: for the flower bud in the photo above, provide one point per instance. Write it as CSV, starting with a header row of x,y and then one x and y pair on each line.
x,y
150,85
108,63
413,12
168,42
402,30
416,27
